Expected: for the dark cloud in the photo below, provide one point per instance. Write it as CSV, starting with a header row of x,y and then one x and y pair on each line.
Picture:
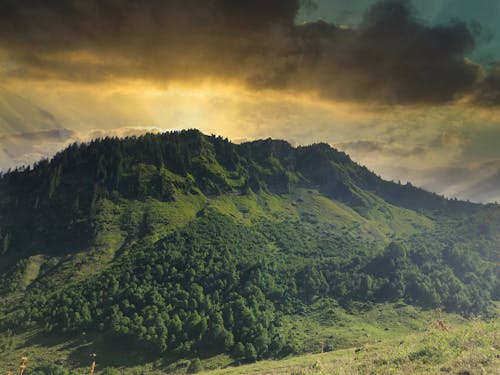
x,y
488,94
56,134
391,57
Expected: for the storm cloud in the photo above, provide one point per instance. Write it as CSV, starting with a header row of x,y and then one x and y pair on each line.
x,y
391,57
488,94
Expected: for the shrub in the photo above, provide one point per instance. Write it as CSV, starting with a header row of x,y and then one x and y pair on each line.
x,y
194,366
109,371
49,369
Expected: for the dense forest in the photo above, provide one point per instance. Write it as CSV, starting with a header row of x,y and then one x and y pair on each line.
x,y
187,243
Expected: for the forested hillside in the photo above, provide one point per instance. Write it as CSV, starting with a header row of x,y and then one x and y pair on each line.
x,y
189,245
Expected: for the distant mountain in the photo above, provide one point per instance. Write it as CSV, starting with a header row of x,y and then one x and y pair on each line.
x,y
185,243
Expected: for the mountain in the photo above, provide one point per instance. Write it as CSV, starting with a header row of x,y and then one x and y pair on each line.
x,y
181,244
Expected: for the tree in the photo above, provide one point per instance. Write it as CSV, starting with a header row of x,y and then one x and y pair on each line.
x,y
194,366
239,350
262,342
5,243
55,180
250,352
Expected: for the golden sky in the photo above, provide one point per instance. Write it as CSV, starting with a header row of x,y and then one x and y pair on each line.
x,y
406,97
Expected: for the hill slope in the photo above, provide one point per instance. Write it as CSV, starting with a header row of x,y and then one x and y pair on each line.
x,y
188,245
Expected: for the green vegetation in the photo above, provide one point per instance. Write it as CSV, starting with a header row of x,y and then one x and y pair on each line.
x,y
470,349
384,338
189,252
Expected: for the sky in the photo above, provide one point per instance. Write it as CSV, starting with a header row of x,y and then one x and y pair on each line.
x,y
411,89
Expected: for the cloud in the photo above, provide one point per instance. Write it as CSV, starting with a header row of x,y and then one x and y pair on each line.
x,y
390,57
485,190
366,148
56,134
19,115
474,181
488,94
27,148
450,139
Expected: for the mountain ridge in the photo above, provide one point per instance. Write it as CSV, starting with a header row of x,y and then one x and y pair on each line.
x,y
332,172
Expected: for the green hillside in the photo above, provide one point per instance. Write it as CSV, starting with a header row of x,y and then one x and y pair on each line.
x,y
471,348
160,250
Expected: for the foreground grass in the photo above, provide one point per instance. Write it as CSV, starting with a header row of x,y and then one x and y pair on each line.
x,y
383,339
473,348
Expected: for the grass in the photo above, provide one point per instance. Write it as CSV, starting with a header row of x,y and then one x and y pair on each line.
x,y
32,270
471,348
382,223
338,328
383,339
